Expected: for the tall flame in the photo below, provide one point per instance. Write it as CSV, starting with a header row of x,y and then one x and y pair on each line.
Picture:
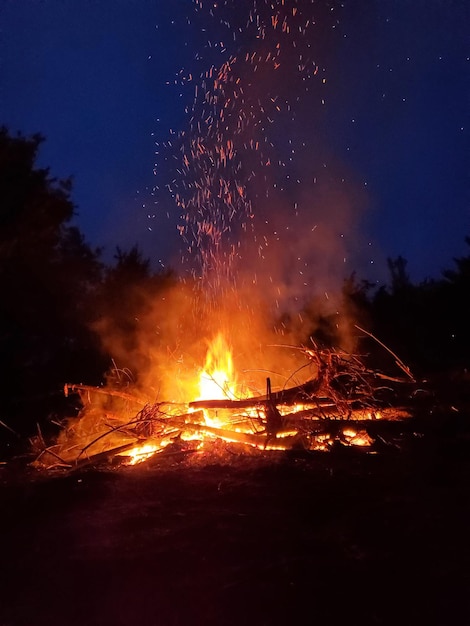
x,y
216,381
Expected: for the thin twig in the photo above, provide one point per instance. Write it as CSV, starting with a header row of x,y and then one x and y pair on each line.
x,y
49,451
398,361
9,428
107,392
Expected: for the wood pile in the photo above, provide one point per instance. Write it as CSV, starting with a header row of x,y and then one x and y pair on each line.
x,y
345,404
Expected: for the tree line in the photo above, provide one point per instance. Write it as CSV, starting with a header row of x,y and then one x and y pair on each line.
x,y
425,324
56,290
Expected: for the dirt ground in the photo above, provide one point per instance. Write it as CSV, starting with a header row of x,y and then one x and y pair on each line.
x,y
273,538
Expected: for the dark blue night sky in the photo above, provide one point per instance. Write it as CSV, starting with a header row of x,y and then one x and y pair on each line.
x,y
387,114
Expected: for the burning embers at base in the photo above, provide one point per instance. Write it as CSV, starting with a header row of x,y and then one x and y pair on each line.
x,y
339,404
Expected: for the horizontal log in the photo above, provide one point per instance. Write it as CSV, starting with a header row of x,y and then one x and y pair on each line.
x,y
327,413
256,402
258,440
100,457
227,434
293,395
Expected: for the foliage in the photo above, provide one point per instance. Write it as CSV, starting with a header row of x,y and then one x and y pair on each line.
x,y
125,305
48,278
426,323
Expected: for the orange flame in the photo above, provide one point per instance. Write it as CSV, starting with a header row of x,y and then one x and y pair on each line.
x,y
217,379
140,453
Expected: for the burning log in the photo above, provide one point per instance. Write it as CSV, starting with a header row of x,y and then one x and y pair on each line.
x,y
104,457
291,396
261,440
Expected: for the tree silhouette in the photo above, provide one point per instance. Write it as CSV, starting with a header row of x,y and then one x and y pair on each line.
x,y
461,275
399,277
126,308
48,278
426,323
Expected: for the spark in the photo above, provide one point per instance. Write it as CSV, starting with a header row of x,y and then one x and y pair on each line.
x,y
240,102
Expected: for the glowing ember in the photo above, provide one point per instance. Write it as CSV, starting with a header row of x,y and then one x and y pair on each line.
x,y
140,453
361,439
357,438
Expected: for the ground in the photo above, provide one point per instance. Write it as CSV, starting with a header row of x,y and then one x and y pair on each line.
x,y
266,539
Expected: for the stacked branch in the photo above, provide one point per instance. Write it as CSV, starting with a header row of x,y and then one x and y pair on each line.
x,y
344,397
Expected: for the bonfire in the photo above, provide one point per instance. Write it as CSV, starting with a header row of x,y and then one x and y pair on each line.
x,y
222,163
340,402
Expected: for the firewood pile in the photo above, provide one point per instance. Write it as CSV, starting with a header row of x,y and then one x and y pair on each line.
x,y
343,404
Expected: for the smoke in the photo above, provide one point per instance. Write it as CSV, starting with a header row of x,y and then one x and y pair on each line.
x,y
267,220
